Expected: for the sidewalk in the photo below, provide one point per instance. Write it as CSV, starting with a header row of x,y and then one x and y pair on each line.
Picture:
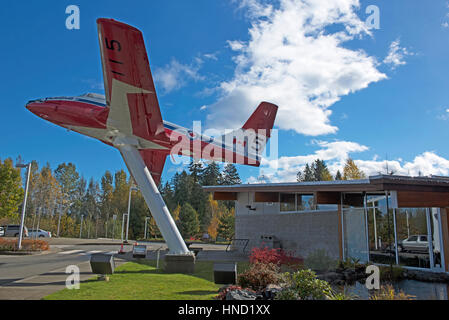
x,y
37,287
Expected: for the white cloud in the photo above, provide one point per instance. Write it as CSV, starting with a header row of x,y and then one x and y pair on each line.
x,y
425,164
211,56
445,25
444,116
174,75
396,54
294,61
335,154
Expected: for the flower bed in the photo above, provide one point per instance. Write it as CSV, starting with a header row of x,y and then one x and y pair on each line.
x,y
8,245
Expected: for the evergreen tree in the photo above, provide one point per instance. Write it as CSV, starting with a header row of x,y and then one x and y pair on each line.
x,y
168,195
226,225
308,173
210,175
338,175
230,175
189,224
139,211
120,194
195,168
320,171
183,186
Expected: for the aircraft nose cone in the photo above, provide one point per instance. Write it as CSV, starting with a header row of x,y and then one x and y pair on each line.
x,y
38,109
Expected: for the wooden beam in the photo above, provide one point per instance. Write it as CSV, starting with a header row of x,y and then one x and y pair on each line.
x,y
225,195
323,197
416,199
353,199
445,230
266,197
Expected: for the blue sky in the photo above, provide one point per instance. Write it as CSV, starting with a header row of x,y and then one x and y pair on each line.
x,y
372,94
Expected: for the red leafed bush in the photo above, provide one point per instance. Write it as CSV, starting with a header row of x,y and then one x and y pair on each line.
x,y
277,257
27,245
259,276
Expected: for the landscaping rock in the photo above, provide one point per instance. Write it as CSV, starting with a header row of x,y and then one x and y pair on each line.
x,y
331,277
426,276
242,295
270,292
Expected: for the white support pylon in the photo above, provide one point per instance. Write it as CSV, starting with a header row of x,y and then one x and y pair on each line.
x,y
153,198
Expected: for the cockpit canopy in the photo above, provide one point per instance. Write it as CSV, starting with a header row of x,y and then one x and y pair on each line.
x,y
94,96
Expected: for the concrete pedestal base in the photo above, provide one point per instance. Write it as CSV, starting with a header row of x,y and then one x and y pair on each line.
x,y
179,263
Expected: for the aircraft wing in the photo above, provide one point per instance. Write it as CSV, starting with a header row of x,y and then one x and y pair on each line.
x,y
129,87
154,161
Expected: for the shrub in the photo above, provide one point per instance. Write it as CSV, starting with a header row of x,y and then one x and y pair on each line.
x,y
277,257
340,296
287,294
27,245
387,292
304,285
259,275
351,263
319,260
386,273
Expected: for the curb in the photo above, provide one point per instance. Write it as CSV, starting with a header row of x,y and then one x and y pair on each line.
x,y
22,253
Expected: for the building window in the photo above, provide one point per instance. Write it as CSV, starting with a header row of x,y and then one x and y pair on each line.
x,y
305,202
293,202
287,202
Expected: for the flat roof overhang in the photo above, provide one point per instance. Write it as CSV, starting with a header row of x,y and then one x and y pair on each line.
x,y
372,184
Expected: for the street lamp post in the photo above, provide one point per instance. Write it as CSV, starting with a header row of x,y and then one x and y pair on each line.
x,y
81,227
129,208
123,223
22,219
59,220
146,225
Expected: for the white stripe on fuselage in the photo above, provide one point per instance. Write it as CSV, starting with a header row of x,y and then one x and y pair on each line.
x,y
119,116
108,136
119,120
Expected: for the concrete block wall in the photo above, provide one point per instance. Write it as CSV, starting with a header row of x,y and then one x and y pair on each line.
x,y
302,232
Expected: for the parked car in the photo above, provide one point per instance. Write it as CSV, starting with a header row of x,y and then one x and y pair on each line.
x,y
39,233
139,251
415,243
13,230
2,231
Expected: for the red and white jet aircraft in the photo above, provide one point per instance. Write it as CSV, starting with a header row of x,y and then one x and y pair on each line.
x,y
131,109
129,118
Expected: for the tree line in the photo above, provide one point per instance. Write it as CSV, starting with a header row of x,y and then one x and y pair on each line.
x,y
318,171
62,199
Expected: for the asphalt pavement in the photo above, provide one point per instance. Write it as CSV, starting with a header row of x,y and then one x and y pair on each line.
x,y
37,275
32,277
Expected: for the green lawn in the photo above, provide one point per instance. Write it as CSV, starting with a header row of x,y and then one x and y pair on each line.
x,y
142,281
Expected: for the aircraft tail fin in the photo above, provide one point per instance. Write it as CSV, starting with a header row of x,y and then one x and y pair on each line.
x,y
252,138
262,119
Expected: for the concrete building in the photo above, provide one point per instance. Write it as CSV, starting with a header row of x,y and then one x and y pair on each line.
x,y
381,219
